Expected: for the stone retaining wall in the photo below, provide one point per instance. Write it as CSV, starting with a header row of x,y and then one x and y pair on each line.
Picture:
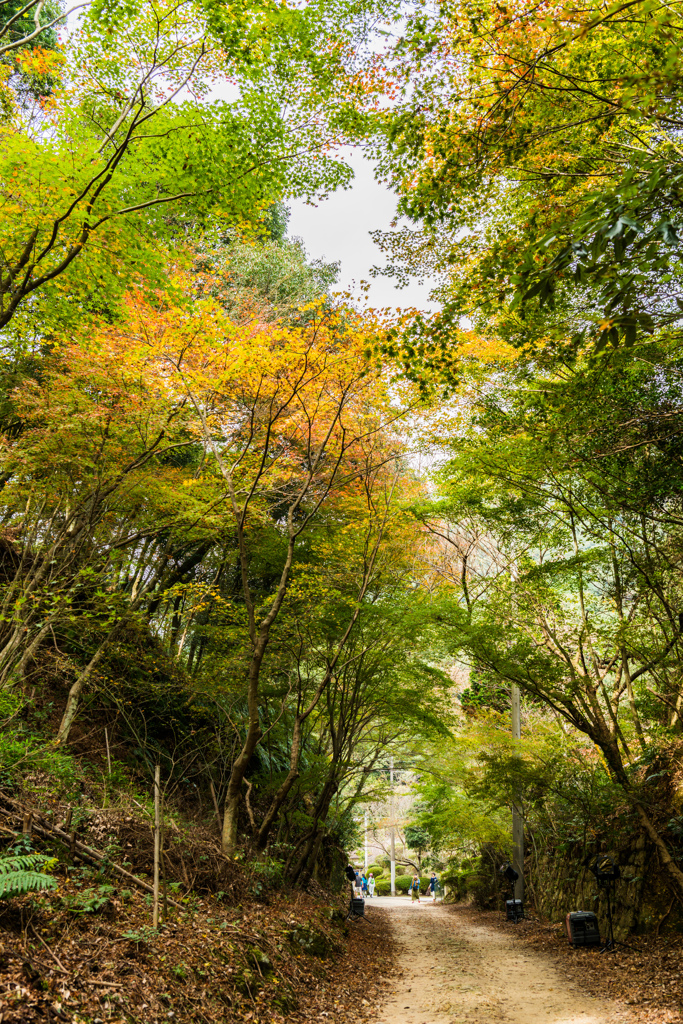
x,y
559,882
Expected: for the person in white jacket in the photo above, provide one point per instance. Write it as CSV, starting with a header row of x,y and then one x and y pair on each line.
x,y
371,884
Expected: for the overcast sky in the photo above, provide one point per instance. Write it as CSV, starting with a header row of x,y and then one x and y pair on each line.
x,y
339,230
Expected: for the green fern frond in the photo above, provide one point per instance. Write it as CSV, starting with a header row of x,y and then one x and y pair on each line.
x,y
18,874
17,883
21,862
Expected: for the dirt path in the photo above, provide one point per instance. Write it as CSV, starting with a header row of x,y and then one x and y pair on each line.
x,y
457,972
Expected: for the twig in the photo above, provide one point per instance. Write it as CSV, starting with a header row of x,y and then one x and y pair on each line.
x,y
53,955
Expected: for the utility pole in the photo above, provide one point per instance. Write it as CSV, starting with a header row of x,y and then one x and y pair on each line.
x,y
392,833
517,816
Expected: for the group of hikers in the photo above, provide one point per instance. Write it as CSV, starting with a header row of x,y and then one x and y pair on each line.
x,y
365,886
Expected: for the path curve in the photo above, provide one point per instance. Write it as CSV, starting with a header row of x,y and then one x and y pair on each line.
x,y
453,971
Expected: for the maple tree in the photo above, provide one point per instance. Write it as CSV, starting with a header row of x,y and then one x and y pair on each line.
x,y
133,147
535,149
206,426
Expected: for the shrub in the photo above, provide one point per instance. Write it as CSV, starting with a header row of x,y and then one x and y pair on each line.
x,y
383,887
21,754
403,883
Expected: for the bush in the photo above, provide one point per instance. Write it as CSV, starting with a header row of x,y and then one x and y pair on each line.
x,y
24,753
383,887
404,882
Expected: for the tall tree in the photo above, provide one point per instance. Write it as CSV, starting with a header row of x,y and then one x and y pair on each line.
x,y
564,516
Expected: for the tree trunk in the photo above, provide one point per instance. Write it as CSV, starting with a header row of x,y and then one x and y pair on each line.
x,y
239,769
73,699
673,871
301,872
157,844
283,791
612,756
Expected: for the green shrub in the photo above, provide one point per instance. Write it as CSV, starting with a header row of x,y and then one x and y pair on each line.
x,y
10,705
19,874
404,882
90,901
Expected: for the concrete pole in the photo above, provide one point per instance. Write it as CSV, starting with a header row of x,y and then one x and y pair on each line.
x,y
517,816
392,833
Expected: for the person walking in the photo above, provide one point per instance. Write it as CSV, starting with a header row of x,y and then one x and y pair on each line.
x,y
364,882
433,883
415,888
359,883
371,884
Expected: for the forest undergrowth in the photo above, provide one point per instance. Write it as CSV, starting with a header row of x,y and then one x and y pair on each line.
x,y
87,950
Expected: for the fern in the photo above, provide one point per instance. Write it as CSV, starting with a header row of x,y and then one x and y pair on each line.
x,y
18,874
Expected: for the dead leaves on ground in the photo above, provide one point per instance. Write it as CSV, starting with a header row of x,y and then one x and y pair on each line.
x,y
212,963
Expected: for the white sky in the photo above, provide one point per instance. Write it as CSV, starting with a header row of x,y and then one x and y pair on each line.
x,y
339,230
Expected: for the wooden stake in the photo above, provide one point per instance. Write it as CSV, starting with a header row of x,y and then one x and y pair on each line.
x,y
164,889
106,740
28,822
157,843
